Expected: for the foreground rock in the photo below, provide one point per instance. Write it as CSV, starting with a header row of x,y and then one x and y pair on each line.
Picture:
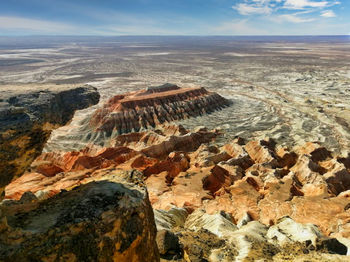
x,y
106,220
28,114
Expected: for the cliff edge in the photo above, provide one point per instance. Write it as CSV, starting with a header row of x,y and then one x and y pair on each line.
x,y
28,114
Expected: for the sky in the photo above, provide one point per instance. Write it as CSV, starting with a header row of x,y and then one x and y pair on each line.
x,y
174,17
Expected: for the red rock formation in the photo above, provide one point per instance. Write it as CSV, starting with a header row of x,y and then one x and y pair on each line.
x,y
183,169
55,171
153,106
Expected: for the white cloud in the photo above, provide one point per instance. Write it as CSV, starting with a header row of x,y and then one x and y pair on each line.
x,y
302,4
34,25
28,26
328,13
294,18
285,10
246,9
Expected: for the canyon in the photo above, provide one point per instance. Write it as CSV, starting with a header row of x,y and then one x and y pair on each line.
x,y
255,166
246,199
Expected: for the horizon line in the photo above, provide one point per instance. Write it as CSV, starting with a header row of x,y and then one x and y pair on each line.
x,y
200,35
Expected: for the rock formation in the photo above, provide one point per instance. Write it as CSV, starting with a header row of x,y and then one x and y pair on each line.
x,y
109,219
27,116
213,237
151,152
153,106
205,194
141,110
106,219
242,201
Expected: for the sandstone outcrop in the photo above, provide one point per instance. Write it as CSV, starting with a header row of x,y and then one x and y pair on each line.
x,y
108,219
151,152
146,109
28,114
242,200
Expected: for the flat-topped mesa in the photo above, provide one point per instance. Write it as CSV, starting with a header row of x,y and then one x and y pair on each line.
x,y
162,88
139,110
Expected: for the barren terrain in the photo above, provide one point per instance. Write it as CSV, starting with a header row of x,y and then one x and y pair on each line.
x,y
293,89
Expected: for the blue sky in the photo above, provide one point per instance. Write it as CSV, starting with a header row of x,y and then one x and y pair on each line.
x,y
174,17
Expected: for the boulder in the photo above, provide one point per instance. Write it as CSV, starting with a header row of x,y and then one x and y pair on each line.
x,y
106,220
168,244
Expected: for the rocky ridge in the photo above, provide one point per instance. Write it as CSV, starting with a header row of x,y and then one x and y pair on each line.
x,y
196,186
28,114
141,110
107,219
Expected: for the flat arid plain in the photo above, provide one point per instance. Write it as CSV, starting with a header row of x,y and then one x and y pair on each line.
x,y
292,89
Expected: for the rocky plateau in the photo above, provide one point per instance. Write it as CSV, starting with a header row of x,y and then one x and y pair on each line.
x,y
254,168
142,110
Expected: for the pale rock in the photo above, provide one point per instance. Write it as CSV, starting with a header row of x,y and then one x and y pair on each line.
x,y
287,230
174,217
218,223
244,220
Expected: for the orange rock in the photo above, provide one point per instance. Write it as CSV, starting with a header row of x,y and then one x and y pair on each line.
x,y
238,199
239,156
307,171
316,152
142,162
275,203
47,168
319,211
233,149
186,191
287,158
157,185
338,179
174,164
315,189
218,178
262,152
207,155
